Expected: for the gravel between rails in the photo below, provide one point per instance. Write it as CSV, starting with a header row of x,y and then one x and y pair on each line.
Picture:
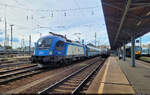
x,y
56,78
10,60
17,72
14,87
15,67
72,83
13,61
13,64
19,76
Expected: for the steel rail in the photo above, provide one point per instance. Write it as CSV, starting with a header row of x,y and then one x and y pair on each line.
x,y
10,61
86,79
9,65
19,77
19,72
66,78
12,70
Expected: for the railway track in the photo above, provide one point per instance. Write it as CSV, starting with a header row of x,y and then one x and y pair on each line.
x,y
11,75
12,64
16,69
11,61
12,55
74,82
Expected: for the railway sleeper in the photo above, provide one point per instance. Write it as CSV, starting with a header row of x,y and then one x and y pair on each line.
x,y
18,77
70,84
61,91
73,81
64,87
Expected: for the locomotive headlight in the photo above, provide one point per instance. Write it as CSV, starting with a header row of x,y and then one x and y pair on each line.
x,y
50,53
138,52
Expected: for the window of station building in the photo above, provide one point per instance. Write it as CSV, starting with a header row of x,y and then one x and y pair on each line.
x,y
59,45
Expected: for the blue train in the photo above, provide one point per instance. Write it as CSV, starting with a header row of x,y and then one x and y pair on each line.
x,y
57,49
145,52
104,52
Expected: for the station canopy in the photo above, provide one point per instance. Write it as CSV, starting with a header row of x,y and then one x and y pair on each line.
x,y
125,19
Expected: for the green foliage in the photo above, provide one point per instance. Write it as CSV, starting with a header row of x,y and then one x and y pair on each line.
x,y
147,59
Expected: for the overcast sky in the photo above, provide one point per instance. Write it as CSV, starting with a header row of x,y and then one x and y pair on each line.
x,y
60,16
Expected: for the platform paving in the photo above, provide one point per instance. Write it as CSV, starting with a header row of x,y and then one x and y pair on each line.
x,y
139,76
110,80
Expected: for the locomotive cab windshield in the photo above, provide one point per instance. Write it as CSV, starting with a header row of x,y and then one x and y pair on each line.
x,y
44,43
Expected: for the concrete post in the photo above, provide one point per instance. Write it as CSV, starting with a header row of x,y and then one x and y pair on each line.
x,y
29,44
118,52
11,35
124,52
133,51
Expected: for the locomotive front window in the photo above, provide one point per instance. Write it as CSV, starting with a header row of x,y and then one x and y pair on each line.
x,y
138,48
44,43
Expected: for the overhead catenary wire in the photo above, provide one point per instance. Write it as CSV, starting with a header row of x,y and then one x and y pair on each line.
x,y
48,10
52,13
65,14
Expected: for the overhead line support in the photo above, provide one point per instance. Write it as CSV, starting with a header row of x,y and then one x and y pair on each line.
x,y
122,20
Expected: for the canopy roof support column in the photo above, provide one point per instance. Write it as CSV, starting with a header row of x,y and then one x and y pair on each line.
x,y
122,20
133,50
119,53
124,52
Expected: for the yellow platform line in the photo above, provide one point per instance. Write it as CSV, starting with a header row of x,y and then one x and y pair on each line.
x,y
101,87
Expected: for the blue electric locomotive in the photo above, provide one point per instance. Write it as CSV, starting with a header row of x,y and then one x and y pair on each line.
x,y
57,49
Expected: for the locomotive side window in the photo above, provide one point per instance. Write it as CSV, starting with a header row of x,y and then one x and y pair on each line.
x,y
59,45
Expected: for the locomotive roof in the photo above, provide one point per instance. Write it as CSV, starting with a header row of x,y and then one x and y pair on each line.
x,y
62,39
69,41
51,36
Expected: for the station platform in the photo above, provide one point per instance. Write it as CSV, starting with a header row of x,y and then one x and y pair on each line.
x,y
110,80
138,76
